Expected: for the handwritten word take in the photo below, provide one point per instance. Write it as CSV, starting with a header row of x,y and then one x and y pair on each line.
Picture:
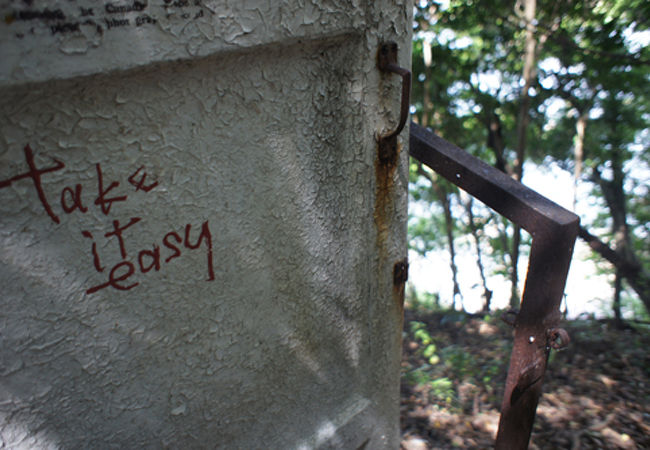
x,y
146,260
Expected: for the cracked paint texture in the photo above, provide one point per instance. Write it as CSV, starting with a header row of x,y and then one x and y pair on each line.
x,y
234,287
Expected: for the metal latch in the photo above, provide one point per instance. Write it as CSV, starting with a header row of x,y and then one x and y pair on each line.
x,y
387,62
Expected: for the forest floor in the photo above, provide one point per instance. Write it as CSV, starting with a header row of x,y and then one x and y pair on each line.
x,y
596,392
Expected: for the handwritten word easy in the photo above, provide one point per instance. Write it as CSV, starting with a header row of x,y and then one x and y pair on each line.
x,y
148,260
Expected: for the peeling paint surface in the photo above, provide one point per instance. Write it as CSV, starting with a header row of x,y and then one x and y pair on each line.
x,y
58,38
189,244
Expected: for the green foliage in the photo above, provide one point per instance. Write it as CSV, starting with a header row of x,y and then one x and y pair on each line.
x,y
461,363
634,309
442,389
467,68
428,349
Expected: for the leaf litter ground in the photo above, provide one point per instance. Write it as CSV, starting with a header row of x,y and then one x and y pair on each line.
x,y
596,392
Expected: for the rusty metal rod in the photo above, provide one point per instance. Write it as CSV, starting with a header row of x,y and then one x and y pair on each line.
x,y
554,231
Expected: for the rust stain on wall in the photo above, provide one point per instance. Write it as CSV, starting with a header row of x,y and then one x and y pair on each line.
x,y
384,198
384,214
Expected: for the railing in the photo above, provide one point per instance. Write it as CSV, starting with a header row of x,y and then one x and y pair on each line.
x,y
554,231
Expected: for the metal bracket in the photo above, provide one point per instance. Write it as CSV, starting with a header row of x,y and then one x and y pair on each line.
x,y
387,62
400,272
557,338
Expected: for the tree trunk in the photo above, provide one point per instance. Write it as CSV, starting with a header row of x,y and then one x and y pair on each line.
x,y
614,194
443,197
622,256
496,143
487,293
449,226
578,154
637,278
523,118
427,107
528,77
616,304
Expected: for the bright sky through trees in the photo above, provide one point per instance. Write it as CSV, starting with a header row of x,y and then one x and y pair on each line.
x,y
587,291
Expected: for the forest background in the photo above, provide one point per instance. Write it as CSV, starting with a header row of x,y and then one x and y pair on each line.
x,y
554,94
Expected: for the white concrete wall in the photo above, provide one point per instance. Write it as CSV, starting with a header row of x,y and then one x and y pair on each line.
x,y
196,243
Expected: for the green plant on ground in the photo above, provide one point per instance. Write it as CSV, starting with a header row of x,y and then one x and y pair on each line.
x,y
428,376
428,349
442,389
461,363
